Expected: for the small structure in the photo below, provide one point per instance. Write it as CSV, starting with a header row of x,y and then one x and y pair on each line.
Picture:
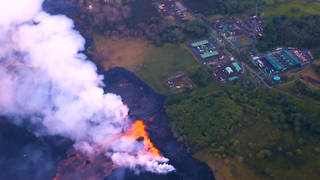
x,y
179,82
270,59
232,79
209,54
237,67
229,70
199,43
291,58
206,50
276,79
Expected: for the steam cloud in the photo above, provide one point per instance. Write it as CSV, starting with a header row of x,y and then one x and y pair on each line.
x,y
46,79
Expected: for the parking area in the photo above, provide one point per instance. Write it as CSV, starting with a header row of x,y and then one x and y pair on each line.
x,y
210,54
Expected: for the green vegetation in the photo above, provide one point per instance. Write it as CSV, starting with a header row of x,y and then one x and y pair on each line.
x,y
177,33
293,8
248,131
134,18
153,64
300,88
301,32
196,29
268,8
212,7
161,62
274,135
316,69
200,77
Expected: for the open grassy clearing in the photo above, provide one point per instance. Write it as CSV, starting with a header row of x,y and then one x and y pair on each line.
x,y
152,64
162,62
127,53
293,8
305,72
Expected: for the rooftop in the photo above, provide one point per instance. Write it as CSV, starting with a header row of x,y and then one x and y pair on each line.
x,y
209,54
236,66
291,58
199,43
273,62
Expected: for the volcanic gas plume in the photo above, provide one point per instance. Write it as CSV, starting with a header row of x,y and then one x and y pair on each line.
x,y
46,81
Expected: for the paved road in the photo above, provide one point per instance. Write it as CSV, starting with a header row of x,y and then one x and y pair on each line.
x,y
256,74
230,49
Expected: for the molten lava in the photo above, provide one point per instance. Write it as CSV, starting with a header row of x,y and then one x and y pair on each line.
x,y
138,131
83,167
123,85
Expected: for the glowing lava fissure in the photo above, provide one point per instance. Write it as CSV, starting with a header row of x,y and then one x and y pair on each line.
x,y
97,167
135,150
138,131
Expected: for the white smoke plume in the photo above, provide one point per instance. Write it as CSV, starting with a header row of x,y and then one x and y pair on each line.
x,y
46,79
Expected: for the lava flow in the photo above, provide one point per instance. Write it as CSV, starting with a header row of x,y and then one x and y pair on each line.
x,y
138,131
81,167
136,151
101,166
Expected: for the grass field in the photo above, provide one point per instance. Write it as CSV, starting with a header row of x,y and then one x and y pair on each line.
x,y
152,64
127,53
162,62
293,8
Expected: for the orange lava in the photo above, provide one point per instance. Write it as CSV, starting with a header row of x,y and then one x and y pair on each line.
x,y
138,130
81,167
122,85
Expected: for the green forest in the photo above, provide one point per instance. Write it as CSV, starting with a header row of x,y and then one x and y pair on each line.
x,y
257,124
211,7
301,32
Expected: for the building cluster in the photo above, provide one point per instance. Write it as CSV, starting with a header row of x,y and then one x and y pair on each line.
x,y
281,60
229,71
239,33
209,53
206,50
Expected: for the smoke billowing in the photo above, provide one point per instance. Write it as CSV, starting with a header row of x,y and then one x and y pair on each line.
x,y
47,81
